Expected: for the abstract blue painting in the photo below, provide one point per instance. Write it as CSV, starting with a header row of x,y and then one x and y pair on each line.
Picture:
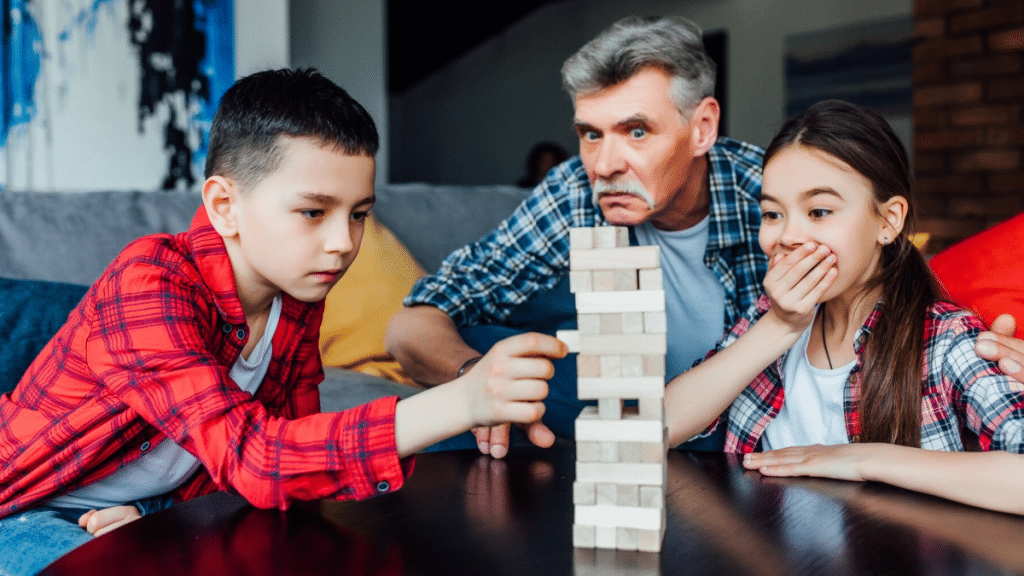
x,y
111,94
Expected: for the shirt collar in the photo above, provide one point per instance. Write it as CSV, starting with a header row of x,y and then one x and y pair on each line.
x,y
211,257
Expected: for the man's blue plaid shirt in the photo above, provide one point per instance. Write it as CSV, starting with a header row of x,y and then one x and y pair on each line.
x,y
529,252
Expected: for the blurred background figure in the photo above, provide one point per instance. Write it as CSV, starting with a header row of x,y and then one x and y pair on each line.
x,y
542,158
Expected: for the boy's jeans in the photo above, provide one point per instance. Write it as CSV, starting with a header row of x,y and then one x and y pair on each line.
x,y
32,539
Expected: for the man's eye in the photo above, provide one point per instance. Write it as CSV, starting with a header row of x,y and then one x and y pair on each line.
x,y
637,132
590,135
312,214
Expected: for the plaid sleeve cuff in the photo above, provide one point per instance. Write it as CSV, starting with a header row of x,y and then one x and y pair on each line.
x,y
368,441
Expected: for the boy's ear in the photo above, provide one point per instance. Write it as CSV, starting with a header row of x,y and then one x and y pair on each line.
x,y
704,125
220,197
894,216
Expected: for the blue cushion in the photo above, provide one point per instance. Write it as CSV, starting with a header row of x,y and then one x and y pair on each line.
x,y
31,312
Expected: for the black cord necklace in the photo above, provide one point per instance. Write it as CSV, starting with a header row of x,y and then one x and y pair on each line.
x,y
824,341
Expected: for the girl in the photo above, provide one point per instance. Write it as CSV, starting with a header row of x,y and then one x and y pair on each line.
x,y
852,348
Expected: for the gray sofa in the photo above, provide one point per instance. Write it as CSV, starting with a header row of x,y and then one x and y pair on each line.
x,y
71,238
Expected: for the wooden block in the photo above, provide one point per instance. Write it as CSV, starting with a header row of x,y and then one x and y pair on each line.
x,y
589,323
643,386
583,536
652,452
620,516
630,451
604,536
589,365
571,338
654,365
603,281
588,451
632,366
622,344
632,322
627,495
651,496
609,451
618,430
611,236
581,238
643,473
625,279
611,324
652,408
650,540
654,323
650,279
638,301
626,258
581,281
584,493
611,366
609,408
605,493
627,539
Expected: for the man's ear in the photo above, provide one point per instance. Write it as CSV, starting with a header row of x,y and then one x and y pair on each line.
x,y
704,125
220,197
894,216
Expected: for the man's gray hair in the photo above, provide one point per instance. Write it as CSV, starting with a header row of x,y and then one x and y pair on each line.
x,y
631,44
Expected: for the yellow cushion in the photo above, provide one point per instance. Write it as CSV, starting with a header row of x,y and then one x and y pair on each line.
x,y
360,305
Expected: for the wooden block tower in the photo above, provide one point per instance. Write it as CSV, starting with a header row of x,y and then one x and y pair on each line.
x,y
619,493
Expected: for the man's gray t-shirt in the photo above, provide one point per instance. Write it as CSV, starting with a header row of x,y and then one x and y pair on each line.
x,y
694,299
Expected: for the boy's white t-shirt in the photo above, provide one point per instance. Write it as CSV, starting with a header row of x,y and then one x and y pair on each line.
x,y
812,409
168,465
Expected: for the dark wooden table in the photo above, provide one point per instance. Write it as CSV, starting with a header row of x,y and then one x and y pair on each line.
x,y
465,514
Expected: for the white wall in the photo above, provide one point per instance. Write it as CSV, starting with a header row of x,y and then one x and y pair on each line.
x,y
346,42
261,36
473,122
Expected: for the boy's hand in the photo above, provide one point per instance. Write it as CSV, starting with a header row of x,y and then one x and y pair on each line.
x,y
510,383
795,282
999,345
99,522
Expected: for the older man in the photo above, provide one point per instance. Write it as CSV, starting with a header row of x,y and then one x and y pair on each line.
x,y
650,159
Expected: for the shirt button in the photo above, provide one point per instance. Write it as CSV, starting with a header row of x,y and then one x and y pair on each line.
x,y
227,328
240,334
145,446
383,486
854,378
855,438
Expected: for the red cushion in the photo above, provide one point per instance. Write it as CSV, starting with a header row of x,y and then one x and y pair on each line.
x,y
985,273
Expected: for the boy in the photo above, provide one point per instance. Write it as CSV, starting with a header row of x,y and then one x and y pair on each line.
x,y
208,339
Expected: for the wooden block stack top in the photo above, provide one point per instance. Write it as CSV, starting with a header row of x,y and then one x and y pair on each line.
x,y
619,492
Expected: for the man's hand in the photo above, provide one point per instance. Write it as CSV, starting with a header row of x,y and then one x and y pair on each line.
x,y
795,282
99,522
999,345
495,440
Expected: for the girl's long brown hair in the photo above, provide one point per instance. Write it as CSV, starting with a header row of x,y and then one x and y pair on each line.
x,y
890,398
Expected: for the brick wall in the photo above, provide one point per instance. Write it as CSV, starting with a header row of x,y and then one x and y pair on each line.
x,y
968,111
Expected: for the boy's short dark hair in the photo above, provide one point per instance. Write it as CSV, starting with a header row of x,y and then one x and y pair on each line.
x,y
257,110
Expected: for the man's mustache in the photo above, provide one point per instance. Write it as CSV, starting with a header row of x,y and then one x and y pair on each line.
x,y
622,186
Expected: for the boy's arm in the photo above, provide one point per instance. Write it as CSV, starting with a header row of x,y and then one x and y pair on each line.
x,y
986,479
150,347
795,283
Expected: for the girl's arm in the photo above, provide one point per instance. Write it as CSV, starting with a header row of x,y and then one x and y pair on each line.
x,y
795,282
985,479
